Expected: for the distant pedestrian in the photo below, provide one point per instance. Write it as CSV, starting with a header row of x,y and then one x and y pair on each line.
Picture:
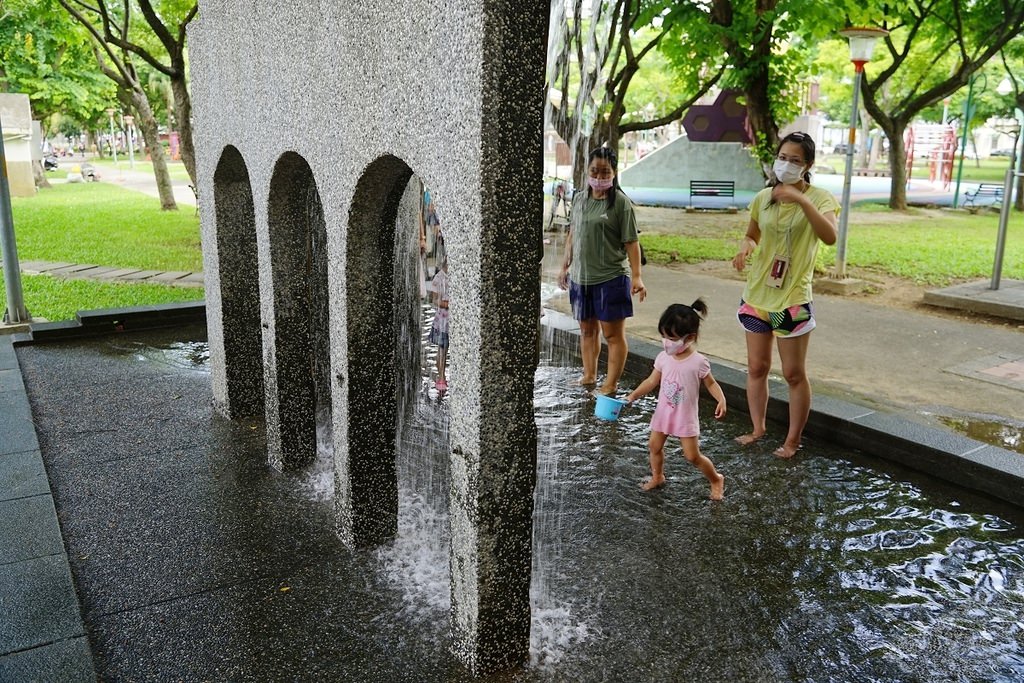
x,y
601,268
679,370
439,328
787,221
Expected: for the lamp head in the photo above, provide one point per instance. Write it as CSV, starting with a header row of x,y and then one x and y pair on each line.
x,y
862,42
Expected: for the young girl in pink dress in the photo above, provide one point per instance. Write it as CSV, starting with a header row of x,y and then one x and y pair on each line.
x,y
679,371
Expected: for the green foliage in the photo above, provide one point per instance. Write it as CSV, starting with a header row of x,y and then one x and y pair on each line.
x,y
105,225
47,56
55,298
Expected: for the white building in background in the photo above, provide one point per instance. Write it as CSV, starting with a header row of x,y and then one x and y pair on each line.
x,y
16,120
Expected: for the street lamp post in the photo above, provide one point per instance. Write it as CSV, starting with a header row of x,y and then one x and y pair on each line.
x,y
129,121
968,113
1013,129
862,43
113,147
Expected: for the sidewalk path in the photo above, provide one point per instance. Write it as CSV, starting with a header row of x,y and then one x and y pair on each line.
x,y
88,271
139,181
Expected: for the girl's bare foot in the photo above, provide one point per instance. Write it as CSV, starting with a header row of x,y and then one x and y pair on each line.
x,y
653,483
786,451
718,488
607,390
587,381
747,439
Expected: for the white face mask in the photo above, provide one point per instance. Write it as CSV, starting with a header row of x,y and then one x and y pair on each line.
x,y
674,347
787,172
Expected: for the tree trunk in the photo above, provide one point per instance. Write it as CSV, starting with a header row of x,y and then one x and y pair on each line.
x,y
151,136
897,166
183,112
759,113
39,174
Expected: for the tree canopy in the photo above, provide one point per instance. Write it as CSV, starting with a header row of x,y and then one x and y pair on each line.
x,y
47,56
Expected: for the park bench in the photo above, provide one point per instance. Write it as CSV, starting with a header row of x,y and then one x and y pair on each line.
x,y
992,190
712,188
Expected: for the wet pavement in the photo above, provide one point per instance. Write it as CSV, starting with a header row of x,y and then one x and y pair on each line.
x,y
157,463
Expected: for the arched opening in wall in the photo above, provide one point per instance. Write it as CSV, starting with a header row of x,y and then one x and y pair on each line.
x,y
383,339
300,361
238,266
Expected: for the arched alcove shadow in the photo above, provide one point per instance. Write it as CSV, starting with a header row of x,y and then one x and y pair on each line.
x,y
297,356
372,353
238,266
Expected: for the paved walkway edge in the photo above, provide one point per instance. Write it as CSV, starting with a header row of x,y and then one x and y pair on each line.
x,y
42,635
939,453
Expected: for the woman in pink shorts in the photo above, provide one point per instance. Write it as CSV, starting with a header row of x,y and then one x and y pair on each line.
x,y
787,221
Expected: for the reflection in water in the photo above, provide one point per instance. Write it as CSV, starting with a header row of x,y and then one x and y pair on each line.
x,y
996,433
186,355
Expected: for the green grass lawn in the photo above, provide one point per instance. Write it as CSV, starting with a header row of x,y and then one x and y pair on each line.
x,y
928,247
105,225
982,171
55,298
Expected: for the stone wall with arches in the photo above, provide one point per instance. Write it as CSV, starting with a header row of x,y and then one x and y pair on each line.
x,y
310,121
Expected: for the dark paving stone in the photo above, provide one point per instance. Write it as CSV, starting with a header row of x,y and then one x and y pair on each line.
x,y
317,629
8,359
28,528
68,661
22,475
16,426
38,604
10,380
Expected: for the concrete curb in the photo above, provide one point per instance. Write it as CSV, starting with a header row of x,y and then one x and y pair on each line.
x,y
114,320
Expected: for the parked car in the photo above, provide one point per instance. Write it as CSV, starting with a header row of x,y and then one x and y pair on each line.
x,y
1001,152
843,146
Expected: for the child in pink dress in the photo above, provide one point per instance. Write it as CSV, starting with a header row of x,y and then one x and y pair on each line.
x,y
679,371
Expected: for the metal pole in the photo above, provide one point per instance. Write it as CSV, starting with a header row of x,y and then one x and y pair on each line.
x,y
16,311
844,211
131,146
113,145
1004,218
963,140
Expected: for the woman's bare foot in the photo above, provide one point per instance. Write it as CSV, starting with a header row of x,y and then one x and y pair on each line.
x,y
607,390
653,483
585,381
786,451
718,488
747,439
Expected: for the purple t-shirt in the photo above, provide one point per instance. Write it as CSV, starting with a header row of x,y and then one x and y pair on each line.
x,y
676,413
